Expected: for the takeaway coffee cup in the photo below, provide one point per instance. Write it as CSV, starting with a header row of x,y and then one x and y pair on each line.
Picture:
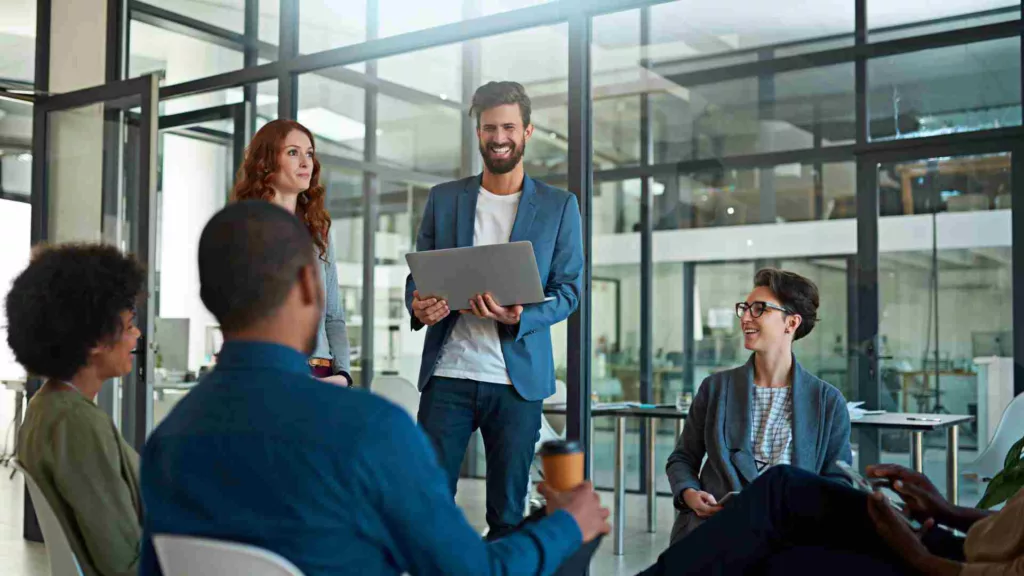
x,y
562,461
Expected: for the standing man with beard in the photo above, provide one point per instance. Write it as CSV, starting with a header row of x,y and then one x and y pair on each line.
x,y
491,367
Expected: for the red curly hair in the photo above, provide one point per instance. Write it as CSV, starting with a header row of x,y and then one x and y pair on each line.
x,y
257,171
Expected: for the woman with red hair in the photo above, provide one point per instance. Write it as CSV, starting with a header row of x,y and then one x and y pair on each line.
x,y
280,166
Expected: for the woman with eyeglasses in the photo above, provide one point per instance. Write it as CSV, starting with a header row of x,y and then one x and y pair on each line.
x,y
769,411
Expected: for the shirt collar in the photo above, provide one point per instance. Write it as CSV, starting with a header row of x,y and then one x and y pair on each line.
x,y
237,355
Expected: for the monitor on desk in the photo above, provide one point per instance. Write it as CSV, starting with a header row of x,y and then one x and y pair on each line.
x,y
171,337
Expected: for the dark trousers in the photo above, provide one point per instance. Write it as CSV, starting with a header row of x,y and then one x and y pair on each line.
x,y
451,409
790,521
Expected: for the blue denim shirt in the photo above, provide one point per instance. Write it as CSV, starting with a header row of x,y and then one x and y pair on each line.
x,y
332,336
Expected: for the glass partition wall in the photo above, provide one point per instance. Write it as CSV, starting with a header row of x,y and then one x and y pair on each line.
x,y
868,146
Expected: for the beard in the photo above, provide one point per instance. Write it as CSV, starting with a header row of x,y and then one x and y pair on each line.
x,y
503,165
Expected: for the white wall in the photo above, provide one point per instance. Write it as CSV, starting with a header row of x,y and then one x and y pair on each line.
x,y
15,221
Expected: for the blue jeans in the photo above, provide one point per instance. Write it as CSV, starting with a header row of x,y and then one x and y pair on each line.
x,y
790,521
452,409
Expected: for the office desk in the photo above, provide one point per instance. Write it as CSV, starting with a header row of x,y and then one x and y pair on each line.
x,y
652,416
918,424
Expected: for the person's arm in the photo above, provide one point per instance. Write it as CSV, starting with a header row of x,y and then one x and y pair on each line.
x,y
337,332
565,278
424,242
427,534
961,518
684,463
838,447
87,474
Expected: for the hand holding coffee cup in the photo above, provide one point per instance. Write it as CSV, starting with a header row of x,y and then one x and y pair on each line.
x,y
562,462
565,489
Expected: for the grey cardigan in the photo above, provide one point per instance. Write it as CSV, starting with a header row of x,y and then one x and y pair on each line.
x,y
719,426
332,336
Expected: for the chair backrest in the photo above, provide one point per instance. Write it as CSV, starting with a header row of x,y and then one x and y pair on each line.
x,y
1009,430
192,556
63,561
398,390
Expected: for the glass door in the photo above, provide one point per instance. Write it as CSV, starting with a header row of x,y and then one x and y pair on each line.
x,y
94,180
199,153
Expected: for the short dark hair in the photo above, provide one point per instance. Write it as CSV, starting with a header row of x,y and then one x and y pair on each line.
x,y
494,94
795,293
250,254
68,301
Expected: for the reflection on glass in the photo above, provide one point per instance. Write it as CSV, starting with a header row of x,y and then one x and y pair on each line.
x,y
729,197
892,20
959,184
333,111
416,137
176,57
691,31
326,24
945,90
227,14
401,16
945,281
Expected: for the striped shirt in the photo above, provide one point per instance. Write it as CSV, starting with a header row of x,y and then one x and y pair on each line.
x,y
771,434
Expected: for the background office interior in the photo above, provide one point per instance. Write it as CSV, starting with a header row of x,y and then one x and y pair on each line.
x,y
868,145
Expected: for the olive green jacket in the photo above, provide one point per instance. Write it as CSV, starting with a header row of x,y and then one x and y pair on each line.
x,y
90,476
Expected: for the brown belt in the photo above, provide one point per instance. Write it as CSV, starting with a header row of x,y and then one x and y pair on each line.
x,y
320,362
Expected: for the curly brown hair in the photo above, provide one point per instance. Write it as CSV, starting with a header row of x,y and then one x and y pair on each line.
x,y
257,170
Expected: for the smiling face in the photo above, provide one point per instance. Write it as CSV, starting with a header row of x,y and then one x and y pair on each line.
x,y
295,164
114,359
503,137
773,329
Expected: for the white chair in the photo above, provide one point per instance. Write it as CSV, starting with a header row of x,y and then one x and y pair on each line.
x,y
1009,431
399,391
63,561
191,556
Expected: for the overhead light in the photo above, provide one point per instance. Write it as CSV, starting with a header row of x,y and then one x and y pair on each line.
x,y
331,125
24,157
731,211
443,96
750,243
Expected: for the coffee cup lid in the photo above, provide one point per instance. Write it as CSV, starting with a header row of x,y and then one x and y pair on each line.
x,y
555,447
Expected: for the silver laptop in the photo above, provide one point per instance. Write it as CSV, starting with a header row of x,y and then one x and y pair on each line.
x,y
507,271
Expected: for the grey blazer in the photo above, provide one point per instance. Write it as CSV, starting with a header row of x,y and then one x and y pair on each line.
x,y
719,426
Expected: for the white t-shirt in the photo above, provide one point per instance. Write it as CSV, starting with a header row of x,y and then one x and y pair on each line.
x,y
473,350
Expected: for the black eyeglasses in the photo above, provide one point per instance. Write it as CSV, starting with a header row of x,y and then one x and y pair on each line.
x,y
757,308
